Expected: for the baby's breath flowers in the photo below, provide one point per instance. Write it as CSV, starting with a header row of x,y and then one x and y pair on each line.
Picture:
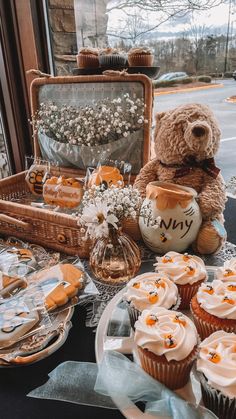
x,y
102,122
102,208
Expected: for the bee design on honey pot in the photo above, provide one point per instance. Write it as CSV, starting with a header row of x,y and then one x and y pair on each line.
x,y
164,237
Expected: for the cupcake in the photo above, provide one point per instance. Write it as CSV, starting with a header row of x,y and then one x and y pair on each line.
x,y
167,345
214,307
112,58
140,57
186,271
150,291
228,271
88,58
216,366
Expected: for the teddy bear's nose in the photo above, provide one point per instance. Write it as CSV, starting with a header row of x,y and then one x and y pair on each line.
x,y
198,131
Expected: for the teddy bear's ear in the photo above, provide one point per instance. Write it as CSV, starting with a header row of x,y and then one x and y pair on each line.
x,y
159,116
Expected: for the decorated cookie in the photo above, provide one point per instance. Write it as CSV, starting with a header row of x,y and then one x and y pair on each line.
x,y
17,317
14,259
63,192
9,285
107,176
59,284
35,178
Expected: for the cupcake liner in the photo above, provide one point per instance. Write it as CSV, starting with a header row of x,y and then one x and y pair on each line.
x,y
112,61
177,304
215,400
87,61
140,60
173,375
133,313
205,328
187,292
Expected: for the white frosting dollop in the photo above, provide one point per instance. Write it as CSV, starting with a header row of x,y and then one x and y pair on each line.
x,y
228,271
217,361
181,268
151,290
166,332
218,298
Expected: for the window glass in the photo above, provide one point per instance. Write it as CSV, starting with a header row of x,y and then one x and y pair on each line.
x,y
4,160
189,40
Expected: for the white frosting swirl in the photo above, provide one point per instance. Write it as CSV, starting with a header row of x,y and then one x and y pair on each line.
x,y
217,361
181,268
166,332
228,271
151,290
218,298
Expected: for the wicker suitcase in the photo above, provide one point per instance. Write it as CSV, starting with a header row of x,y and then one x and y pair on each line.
x,y
48,228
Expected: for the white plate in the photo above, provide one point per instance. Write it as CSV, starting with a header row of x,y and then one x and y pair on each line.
x,y
108,337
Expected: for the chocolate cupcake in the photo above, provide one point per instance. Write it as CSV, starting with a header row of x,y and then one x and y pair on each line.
x,y
88,58
112,58
216,366
140,57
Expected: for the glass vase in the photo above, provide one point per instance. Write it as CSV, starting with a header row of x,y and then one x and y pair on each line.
x,y
115,259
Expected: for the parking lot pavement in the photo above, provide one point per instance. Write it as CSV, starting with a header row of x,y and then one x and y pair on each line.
x,y
225,113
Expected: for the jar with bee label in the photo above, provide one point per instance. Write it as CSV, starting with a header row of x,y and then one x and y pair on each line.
x,y
179,213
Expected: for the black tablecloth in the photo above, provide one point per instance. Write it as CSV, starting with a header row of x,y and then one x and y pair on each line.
x,y
16,382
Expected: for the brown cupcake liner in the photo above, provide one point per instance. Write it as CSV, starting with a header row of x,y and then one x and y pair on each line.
x,y
187,292
112,61
173,375
87,61
216,401
205,328
140,60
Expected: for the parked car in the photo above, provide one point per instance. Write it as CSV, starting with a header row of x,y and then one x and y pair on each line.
x,y
173,76
234,74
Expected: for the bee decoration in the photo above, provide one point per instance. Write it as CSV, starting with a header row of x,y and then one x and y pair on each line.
x,y
228,272
214,357
190,270
179,318
167,259
153,297
151,320
228,300
169,341
209,289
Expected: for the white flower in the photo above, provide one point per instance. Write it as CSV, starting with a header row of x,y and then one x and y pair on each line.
x,y
96,218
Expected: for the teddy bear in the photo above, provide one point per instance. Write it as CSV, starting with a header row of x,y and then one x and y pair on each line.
x,y
186,140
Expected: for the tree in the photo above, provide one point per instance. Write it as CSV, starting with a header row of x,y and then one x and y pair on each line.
x,y
163,10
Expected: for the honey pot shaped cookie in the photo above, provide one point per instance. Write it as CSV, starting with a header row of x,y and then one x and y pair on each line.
x,y
180,217
107,176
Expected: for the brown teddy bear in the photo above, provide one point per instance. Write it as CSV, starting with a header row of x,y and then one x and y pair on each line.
x,y
186,139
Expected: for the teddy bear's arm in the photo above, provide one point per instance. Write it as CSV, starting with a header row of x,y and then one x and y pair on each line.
x,y
212,197
147,174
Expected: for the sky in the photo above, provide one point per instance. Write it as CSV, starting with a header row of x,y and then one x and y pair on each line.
x,y
215,18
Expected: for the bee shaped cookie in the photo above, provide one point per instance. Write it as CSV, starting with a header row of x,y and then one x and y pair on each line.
x,y
63,192
17,317
59,284
35,178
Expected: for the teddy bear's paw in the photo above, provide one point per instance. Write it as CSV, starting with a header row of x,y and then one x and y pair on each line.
x,y
210,239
